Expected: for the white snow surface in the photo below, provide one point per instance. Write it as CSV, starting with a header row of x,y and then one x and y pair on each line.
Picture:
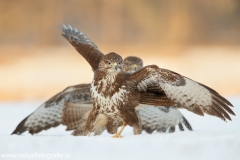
x,y
211,139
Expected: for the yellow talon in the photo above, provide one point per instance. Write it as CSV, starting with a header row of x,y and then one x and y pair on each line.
x,y
117,136
89,134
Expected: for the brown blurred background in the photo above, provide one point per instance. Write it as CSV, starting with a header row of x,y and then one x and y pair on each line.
x,y
199,39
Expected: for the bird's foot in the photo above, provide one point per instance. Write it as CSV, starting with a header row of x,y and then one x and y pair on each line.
x,y
117,136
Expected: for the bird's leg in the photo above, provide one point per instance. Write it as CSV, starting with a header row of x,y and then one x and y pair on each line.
x,y
118,135
89,134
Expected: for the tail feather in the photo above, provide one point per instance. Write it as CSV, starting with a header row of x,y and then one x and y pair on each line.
x,y
75,115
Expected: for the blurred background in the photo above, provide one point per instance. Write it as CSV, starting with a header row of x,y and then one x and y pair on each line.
x,y
199,39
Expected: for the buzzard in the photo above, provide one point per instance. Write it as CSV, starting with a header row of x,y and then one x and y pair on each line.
x,y
77,103
116,93
153,118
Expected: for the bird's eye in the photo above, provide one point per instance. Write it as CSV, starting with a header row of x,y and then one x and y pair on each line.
x,y
119,63
109,63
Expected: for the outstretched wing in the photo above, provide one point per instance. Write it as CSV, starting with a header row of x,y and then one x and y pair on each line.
x,y
83,45
49,113
161,119
184,92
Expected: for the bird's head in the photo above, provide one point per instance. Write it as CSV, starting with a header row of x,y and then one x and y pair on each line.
x,y
132,64
111,62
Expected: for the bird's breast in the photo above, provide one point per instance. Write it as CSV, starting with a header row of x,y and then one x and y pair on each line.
x,y
109,104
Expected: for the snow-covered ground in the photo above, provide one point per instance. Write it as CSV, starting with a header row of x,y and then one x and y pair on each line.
x,y
211,139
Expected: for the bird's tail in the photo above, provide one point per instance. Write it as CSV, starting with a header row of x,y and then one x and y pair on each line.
x,y
75,115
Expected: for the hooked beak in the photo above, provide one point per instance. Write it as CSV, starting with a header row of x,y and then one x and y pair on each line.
x,y
135,67
115,65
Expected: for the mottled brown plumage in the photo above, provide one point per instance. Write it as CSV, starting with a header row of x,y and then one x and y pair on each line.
x,y
77,103
116,94
49,114
159,120
132,64
84,46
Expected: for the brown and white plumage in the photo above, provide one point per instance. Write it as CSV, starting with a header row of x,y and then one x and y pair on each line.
x,y
152,119
132,64
49,114
150,85
75,116
84,46
161,119
76,103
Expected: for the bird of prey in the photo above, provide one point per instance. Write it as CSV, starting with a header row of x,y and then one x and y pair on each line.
x,y
153,118
116,93
77,103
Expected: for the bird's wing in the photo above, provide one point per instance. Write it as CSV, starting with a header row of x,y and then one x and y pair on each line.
x,y
49,113
161,118
184,92
83,45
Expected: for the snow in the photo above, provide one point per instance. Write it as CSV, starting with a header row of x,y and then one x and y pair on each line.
x,y
211,139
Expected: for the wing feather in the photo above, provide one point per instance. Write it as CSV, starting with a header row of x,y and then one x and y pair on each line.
x,y
83,45
42,118
154,99
186,123
220,102
161,119
49,114
184,92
